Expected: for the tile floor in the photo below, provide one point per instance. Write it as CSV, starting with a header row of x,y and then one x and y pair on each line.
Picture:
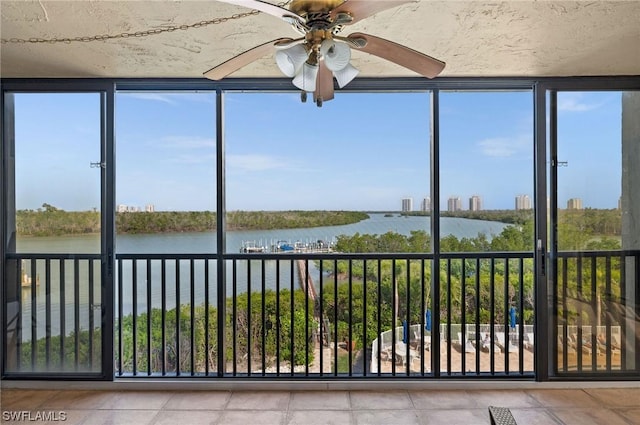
x,y
610,406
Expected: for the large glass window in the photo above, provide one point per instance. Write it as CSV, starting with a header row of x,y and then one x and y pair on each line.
x,y
359,165
486,202
352,177
589,166
486,171
596,285
165,205
165,177
53,277
57,167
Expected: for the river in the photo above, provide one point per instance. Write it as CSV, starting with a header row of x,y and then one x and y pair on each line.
x,y
202,243
205,242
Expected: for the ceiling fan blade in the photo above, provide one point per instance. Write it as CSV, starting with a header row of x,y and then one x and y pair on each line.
x,y
324,84
361,9
268,8
402,55
243,59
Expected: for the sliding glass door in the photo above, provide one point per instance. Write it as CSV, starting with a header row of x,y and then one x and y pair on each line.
x,y
486,206
595,239
54,283
166,278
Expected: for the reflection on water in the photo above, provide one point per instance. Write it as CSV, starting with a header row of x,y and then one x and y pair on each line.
x,y
79,293
154,283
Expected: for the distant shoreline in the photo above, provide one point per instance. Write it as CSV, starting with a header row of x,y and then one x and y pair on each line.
x,y
56,222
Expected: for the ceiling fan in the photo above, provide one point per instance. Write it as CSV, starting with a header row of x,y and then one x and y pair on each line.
x,y
322,54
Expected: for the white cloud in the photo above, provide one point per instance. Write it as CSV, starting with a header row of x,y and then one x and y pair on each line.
x,y
573,102
148,96
504,147
254,162
172,98
195,159
188,142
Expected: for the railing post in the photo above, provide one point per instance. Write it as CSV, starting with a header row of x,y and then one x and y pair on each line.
x,y
221,295
435,232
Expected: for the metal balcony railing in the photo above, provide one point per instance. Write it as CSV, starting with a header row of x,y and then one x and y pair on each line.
x,y
597,313
326,316
52,313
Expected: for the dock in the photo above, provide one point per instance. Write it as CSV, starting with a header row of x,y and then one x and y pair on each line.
x,y
306,281
286,247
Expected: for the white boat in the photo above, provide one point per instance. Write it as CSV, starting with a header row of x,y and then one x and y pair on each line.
x,y
251,247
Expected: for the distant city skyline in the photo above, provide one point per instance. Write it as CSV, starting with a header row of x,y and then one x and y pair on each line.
x,y
522,202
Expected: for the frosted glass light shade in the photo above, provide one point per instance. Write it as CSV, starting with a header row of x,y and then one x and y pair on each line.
x,y
305,79
290,60
345,75
336,55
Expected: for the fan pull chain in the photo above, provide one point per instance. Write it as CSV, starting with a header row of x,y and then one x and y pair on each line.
x,y
138,34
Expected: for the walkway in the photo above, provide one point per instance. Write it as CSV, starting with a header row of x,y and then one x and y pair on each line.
x,y
610,406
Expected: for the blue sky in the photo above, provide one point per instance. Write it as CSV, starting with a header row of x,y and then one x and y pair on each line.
x,y
357,152
589,140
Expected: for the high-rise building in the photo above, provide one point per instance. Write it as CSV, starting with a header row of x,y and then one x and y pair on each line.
x,y
475,203
454,204
574,204
523,202
407,204
426,204
150,208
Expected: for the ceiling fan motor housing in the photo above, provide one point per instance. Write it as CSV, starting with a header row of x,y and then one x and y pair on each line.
x,y
301,7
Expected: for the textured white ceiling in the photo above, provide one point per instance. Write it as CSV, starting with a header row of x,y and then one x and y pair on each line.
x,y
474,38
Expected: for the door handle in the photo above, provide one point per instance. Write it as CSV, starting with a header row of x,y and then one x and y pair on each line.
x,y
543,257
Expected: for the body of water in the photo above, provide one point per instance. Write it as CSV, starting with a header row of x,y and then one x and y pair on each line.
x,y
205,242
249,275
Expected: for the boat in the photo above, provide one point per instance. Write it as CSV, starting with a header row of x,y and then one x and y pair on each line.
x,y
26,278
251,247
299,246
284,246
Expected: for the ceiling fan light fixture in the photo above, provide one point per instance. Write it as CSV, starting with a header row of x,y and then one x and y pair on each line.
x,y
336,55
305,79
346,75
291,60
321,54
